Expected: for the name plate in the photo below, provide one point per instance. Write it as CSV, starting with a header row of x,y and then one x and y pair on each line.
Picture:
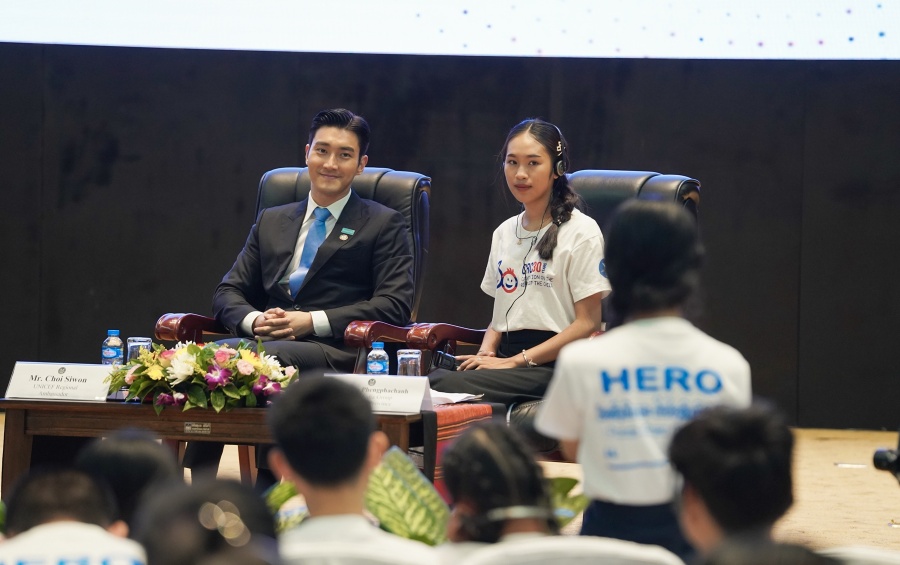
x,y
198,428
58,381
391,395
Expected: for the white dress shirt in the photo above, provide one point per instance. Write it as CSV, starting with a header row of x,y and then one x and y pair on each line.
x,y
349,539
321,326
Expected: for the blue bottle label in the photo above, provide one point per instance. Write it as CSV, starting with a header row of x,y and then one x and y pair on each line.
x,y
110,352
377,367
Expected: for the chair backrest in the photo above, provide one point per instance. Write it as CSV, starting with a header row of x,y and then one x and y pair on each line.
x,y
404,191
604,190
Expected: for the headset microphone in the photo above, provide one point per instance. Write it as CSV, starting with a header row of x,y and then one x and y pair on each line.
x,y
561,166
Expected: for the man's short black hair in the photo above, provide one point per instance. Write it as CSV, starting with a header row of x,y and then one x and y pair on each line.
x,y
342,119
210,519
58,494
739,462
323,426
129,462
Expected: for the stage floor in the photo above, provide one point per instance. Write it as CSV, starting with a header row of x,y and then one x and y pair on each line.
x,y
840,498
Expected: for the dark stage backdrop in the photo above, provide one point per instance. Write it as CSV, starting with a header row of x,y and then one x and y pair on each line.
x,y
129,180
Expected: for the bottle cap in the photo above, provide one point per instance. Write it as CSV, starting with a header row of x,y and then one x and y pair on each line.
x,y
112,332
378,345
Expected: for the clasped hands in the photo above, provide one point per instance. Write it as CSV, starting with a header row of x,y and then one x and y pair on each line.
x,y
485,360
276,323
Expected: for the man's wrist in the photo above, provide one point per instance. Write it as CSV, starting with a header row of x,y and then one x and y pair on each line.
x,y
321,327
246,325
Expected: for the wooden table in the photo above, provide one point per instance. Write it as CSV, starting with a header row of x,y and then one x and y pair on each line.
x,y
28,418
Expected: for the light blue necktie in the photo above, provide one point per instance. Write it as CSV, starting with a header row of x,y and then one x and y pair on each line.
x,y
314,239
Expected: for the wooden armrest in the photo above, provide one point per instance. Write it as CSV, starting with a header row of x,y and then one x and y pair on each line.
x,y
437,336
187,327
361,334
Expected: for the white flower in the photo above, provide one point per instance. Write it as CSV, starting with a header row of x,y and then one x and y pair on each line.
x,y
182,367
271,367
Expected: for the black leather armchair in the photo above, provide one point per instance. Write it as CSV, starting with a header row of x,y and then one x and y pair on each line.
x,y
603,191
406,192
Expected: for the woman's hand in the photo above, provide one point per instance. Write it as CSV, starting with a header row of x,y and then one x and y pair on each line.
x,y
484,360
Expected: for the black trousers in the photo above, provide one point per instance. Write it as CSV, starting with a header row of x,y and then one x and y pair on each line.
x,y
655,524
503,386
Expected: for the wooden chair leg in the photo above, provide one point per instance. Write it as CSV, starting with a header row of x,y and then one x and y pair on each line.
x,y
177,448
247,463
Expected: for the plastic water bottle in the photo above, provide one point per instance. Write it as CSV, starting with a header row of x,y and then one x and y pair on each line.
x,y
112,352
377,360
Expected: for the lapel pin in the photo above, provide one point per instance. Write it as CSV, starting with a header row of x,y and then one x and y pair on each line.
x,y
347,231
344,237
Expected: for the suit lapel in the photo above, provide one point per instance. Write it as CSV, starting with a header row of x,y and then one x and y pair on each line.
x,y
286,242
353,218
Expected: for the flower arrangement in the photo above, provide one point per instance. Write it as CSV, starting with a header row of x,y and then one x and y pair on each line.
x,y
198,376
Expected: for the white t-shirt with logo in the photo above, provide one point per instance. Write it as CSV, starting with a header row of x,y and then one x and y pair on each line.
x,y
623,394
544,292
70,542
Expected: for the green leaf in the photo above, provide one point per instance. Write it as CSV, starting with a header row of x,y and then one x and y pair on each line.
x,y
566,506
278,494
276,498
405,502
231,391
196,396
250,401
158,408
398,495
217,397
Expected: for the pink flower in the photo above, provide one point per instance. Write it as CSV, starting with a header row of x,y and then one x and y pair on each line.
x,y
165,358
259,385
217,376
266,387
289,371
224,354
130,376
166,399
244,367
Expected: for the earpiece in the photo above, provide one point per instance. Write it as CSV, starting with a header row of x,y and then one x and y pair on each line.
x,y
561,166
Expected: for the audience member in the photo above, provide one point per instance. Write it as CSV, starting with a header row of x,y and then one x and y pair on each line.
x,y
209,521
615,401
735,465
497,490
130,462
503,512
327,445
65,516
543,273
755,552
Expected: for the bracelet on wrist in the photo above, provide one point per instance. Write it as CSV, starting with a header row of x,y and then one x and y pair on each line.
x,y
528,361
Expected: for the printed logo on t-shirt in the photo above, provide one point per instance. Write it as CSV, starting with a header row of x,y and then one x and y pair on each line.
x,y
603,268
508,280
533,273
653,399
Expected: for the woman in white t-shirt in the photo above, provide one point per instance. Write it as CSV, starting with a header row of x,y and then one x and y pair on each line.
x,y
616,400
545,274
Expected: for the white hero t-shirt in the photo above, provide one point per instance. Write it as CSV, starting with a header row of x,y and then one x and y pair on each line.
x,y
548,289
623,394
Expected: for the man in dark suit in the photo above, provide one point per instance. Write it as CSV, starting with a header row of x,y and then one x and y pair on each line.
x,y
308,269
